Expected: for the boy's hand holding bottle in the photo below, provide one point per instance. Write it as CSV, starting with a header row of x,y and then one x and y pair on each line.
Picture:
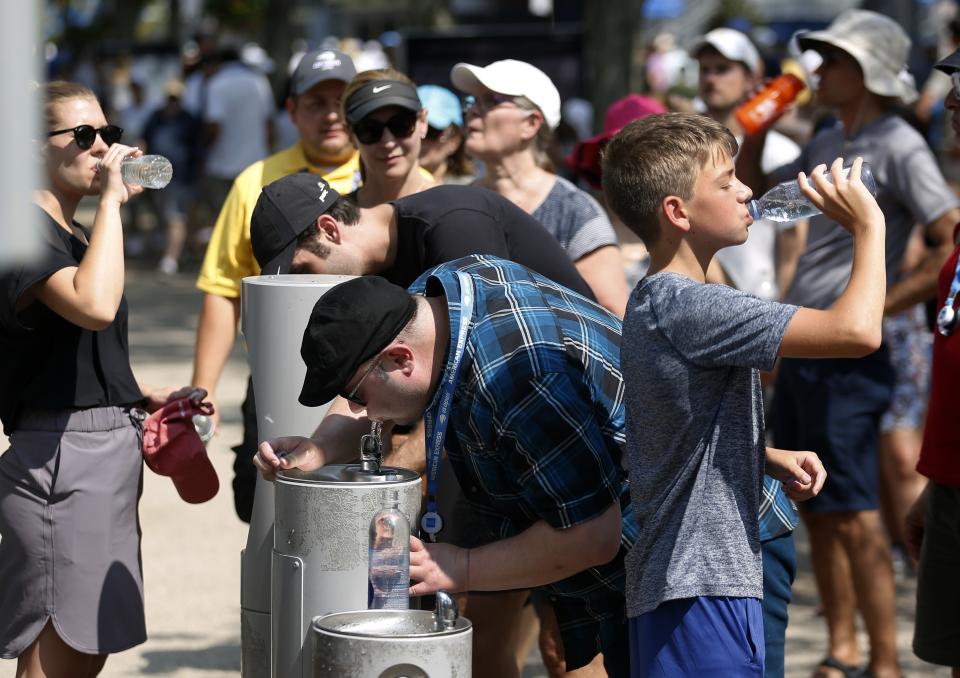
x,y
846,200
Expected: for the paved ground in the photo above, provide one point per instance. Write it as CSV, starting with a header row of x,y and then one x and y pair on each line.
x,y
191,553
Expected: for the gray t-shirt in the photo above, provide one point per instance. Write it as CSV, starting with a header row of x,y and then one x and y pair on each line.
x,y
690,355
911,190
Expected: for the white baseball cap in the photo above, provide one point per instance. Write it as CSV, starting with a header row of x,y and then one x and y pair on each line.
x,y
513,78
733,45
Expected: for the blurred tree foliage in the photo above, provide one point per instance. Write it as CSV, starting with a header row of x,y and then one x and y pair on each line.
x,y
83,26
244,16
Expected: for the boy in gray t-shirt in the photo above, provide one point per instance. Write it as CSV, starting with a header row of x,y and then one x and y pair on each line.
x,y
690,357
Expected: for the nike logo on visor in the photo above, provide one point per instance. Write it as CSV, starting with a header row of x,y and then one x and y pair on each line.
x,y
377,90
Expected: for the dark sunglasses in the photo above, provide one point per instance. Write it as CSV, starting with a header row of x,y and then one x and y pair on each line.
x,y
401,125
487,101
86,135
352,395
434,134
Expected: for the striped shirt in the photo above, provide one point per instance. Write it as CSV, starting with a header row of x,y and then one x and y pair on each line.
x,y
536,430
575,219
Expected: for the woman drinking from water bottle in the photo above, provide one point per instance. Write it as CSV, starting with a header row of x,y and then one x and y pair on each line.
x,y
71,587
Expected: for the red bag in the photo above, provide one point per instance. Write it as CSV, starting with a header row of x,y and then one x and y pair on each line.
x,y
172,447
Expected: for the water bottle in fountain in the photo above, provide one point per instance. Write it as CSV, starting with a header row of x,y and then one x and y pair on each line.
x,y
389,556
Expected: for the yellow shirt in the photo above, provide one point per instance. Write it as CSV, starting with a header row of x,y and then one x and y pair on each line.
x,y
229,257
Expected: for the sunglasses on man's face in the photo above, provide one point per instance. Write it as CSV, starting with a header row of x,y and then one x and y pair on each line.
x,y
86,135
352,395
401,126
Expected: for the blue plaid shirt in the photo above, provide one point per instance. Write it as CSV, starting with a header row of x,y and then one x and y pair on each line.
x,y
777,514
536,429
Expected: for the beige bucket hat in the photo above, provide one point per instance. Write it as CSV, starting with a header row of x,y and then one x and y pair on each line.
x,y
878,44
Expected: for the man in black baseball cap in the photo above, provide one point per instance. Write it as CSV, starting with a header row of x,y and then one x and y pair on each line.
x,y
299,227
286,209
533,431
349,325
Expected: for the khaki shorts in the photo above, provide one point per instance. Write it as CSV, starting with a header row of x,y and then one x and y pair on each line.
x,y
936,636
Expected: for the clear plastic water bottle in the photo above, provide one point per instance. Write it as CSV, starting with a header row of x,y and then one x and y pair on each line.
x,y
149,171
204,425
784,202
389,556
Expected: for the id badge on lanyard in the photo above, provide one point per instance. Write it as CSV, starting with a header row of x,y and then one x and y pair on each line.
x,y
436,419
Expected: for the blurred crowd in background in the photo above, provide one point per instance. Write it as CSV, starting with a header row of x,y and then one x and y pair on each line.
x,y
161,100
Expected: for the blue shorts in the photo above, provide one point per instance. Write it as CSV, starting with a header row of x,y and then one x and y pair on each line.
x,y
705,637
833,407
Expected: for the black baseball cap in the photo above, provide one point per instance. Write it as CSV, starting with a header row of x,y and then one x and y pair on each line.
x,y
284,210
350,324
320,65
949,63
378,94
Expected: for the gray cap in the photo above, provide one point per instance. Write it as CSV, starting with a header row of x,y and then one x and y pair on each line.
x,y
950,63
320,65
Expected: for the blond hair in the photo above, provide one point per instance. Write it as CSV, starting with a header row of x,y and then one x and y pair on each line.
x,y
541,142
655,157
58,91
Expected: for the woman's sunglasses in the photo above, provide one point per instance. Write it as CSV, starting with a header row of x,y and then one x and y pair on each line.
x,y
401,126
487,101
86,135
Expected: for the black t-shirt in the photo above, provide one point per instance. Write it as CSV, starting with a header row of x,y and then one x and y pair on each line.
x,y
448,222
48,362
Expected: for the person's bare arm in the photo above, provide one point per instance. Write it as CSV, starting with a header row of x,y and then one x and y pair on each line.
x,y
801,472
852,326
408,451
216,332
602,270
89,295
336,440
539,555
921,283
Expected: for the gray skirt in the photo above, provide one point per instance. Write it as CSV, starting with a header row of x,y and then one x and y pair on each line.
x,y
70,532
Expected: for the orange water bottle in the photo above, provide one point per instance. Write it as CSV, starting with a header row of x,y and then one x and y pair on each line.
x,y
762,110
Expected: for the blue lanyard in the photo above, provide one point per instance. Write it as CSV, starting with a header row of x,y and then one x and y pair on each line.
x,y
954,286
435,420
947,317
